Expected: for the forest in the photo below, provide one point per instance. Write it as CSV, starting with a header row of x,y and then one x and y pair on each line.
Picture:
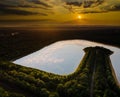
x,y
93,78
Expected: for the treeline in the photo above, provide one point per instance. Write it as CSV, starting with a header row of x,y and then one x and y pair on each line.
x,y
32,81
92,77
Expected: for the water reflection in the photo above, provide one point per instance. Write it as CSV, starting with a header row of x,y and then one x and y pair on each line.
x,y
63,57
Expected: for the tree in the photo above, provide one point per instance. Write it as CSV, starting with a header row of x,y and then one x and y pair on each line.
x,y
110,93
44,92
54,95
61,90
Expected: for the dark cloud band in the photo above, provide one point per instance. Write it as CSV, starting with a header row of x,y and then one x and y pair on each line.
x,y
12,7
85,3
93,6
17,12
79,6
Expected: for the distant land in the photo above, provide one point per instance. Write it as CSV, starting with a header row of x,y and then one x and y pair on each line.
x,y
22,41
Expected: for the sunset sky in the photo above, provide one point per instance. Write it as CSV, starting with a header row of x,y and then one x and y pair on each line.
x,y
105,12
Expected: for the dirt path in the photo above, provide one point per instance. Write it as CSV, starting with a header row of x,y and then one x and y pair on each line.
x,y
92,80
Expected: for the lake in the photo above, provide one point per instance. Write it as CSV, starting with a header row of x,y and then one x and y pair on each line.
x,y
63,57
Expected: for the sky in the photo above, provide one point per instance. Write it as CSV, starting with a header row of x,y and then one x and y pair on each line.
x,y
91,12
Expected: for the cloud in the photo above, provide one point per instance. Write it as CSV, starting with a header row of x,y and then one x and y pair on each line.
x,y
24,7
111,5
85,3
24,3
41,3
57,6
92,6
18,12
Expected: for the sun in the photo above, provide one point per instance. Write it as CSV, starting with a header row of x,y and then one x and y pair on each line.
x,y
79,17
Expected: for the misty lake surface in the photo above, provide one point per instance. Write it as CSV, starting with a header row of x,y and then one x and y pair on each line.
x,y
63,57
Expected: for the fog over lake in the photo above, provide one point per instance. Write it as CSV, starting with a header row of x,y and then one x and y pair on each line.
x,y
63,57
